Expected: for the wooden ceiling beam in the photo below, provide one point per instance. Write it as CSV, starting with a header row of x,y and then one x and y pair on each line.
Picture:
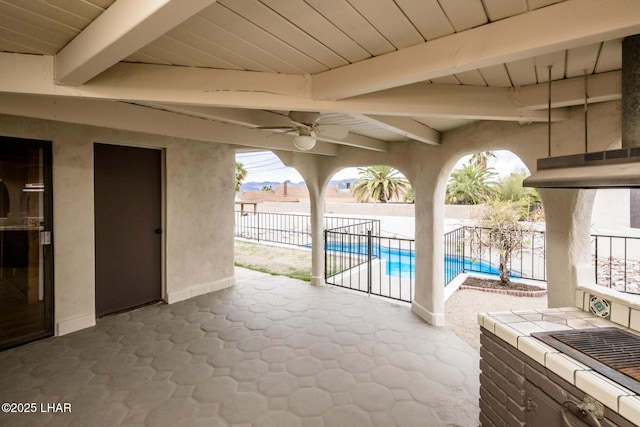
x,y
136,118
259,118
124,28
359,141
449,101
213,92
404,126
601,88
238,116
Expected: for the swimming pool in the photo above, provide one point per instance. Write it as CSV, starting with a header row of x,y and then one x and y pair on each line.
x,y
401,263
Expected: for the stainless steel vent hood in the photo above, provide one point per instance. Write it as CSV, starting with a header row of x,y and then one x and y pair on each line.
x,y
618,168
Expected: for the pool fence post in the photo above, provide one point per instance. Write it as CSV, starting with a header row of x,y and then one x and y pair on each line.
x,y
369,261
326,255
464,255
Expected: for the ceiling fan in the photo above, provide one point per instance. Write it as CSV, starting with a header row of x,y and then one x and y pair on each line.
x,y
304,125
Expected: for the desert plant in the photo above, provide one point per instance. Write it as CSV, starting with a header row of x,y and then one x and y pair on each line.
x,y
505,232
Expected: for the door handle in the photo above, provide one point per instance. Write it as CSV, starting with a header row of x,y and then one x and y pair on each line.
x,y
45,238
590,411
158,231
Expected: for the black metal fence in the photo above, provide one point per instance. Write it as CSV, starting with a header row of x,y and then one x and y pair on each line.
x,y
454,254
357,257
291,229
617,262
473,249
363,261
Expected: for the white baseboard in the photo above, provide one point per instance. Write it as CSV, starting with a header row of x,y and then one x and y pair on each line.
x,y
201,289
64,327
435,319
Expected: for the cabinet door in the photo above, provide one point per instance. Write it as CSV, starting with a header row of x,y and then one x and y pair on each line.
x,y
543,411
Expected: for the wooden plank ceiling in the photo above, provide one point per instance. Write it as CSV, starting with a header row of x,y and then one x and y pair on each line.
x,y
310,37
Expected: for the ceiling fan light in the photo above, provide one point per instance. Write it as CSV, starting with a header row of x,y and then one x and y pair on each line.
x,y
304,142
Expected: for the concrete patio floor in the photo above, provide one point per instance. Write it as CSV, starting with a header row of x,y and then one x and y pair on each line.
x,y
270,351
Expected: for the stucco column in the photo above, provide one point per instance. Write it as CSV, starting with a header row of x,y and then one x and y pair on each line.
x,y
568,217
316,199
428,301
316,175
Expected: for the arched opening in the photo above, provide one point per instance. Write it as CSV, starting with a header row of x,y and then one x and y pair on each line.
x,y
494,230
354,192
370,232
272,220
274,233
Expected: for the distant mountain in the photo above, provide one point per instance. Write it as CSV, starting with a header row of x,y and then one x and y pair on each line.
x,y
257,186
342,181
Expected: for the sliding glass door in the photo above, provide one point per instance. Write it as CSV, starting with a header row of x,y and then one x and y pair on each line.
x,y
26,251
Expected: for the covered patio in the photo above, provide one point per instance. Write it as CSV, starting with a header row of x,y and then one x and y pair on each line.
x,y
87,86
270,351
410,84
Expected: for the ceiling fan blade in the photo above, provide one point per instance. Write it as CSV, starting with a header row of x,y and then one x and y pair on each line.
x,y
283,128
331,131
304,118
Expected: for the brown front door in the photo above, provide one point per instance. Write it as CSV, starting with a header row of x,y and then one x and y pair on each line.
x,y
26,250
128,219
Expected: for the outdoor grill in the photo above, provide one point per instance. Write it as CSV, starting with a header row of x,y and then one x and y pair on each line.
x,y
613,352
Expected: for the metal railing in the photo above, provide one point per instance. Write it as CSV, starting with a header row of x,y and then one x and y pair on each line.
x,y
366,262
357,257
617,262
469,249
454,254
291,229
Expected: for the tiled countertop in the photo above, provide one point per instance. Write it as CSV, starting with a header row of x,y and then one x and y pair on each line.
x,y
515,328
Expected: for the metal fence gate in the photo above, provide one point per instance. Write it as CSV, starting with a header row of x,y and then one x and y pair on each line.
x,y
357,258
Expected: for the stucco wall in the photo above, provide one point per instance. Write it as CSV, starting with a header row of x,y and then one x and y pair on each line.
x,y
73,231
200,183
199,192
606,220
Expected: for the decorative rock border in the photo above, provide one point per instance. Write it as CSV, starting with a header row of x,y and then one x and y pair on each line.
x,y
513,292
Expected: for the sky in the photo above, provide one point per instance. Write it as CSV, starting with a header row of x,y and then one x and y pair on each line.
x,y
265,166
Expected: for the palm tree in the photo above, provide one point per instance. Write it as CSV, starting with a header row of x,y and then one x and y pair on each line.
x,y
410,195
480,159
379,183
510,189
241,174
470,185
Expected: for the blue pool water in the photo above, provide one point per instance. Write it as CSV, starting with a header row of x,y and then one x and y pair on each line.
x,y
401,263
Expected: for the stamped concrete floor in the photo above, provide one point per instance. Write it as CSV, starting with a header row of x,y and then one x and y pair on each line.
x,y
270,351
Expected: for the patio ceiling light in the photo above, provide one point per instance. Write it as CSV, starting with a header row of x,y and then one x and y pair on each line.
x,y
304,140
